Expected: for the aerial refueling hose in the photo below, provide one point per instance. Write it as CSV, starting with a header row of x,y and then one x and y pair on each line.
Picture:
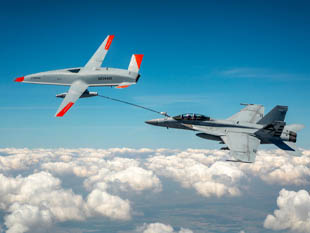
x,y
135,105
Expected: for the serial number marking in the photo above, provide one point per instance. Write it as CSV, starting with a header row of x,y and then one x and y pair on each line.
x,y
104,78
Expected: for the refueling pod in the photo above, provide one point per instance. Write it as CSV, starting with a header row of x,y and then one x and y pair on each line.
x,y
86,94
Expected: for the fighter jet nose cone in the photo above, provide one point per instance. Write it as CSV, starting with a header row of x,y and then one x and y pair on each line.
x,y
148,122
152,122
20,79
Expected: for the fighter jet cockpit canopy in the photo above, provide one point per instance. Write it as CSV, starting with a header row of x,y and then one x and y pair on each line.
x,y
192,117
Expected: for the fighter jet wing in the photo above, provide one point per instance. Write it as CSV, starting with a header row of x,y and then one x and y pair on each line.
x,y
74,93
242,146
252,113
96,60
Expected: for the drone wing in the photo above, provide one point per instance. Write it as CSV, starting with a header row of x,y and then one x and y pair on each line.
x,y
74,93
96,60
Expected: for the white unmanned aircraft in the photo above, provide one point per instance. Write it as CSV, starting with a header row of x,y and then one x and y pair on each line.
x,y
92,74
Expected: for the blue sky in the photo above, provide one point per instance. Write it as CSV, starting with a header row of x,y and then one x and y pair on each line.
x,y
202,56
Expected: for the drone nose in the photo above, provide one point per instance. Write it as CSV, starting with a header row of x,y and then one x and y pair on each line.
x,y
20,79
152,122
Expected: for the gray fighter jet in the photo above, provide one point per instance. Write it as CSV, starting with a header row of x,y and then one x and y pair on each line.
x,y
242,132
92,74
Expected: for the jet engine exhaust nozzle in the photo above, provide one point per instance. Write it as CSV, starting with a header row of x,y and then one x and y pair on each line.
x,y
292,136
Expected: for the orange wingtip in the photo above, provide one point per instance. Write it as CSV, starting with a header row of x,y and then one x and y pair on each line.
x,y
123,86
109,42
20,79
139,58
65,109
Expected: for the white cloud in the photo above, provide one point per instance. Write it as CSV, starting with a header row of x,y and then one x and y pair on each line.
x,y
277,167
136,178
99,165
25,216
208,173
96,165
38,199
160,228
103,203
20,159
123,173
293,212
107,175
200,172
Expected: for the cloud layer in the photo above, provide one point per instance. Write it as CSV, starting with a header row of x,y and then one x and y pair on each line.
x,y
38,199
277,167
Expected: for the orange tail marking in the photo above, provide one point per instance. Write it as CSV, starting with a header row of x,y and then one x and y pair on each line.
x,y
139,58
